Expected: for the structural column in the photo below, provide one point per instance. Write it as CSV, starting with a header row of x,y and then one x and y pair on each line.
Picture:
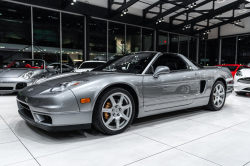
x,y
86,38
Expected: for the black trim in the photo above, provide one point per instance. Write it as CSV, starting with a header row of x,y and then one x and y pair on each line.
x,y
55,128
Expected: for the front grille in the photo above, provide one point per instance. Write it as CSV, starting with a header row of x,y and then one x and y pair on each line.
x,y
24,105
244,80
6,88
26,111
21,85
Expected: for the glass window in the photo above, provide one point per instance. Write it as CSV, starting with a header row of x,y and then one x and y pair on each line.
x,y
192,48
98,39
133,39
183,48
173,45
202,57
85,65
47,35
228,50
163,42
243,56
132,63
231,68
172,61
147,40
15,32
72,39
116,39
212,52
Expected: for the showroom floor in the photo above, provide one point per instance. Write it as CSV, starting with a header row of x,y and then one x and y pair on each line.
x,y
194,137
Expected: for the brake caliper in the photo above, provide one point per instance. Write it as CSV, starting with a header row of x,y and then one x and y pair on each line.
x,y
105,114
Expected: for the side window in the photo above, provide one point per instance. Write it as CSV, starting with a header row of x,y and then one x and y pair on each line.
x,y
174,62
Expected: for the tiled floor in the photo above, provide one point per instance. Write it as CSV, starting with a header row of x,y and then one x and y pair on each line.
x,y
194,137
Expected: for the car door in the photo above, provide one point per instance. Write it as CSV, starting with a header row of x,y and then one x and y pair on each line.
x,y
177,88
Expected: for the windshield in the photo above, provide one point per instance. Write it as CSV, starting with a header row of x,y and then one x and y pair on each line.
x,y
132,63
231,68
90,65
34,64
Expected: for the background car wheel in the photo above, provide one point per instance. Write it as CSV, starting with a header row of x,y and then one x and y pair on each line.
x,y
239,93
217,97
114,111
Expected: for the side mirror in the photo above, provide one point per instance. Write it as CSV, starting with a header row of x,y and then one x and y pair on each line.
x,y
161,70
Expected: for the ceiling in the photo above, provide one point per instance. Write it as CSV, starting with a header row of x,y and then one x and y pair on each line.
x,y
195,18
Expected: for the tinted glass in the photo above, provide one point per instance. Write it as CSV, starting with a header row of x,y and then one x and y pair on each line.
x,y
192,48
228,50
172,61
72,39
133,39
202,49
163,42
47,35
116,38
132,63
183,48
243,56
173,45
90,65
231,68
98,39
147,40
15,32
212,52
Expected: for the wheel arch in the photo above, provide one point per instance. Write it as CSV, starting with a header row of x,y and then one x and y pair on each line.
x,y
127,87
223,80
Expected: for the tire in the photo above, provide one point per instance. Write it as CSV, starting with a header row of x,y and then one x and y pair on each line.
x,y
111,117
217,97
239,93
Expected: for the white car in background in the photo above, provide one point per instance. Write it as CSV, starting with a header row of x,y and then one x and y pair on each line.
x,y
242,81
89,65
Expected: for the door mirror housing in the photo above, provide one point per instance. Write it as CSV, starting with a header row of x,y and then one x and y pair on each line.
x,y
161,70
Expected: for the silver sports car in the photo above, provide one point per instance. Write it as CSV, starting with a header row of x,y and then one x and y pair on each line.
x,y
134,86
21,73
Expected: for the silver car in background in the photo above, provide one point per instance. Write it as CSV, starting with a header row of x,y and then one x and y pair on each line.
x,y
21,73
133,86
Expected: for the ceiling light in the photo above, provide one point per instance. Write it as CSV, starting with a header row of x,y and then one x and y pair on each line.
x,y
197,29
191,6
72,3
187,8
194,4
74,0
121,14
156,22
0,14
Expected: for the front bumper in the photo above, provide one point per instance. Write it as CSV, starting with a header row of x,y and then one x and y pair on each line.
x,y
58,121
241,87
11,85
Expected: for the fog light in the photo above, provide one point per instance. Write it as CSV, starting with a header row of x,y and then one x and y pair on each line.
x,y
85,100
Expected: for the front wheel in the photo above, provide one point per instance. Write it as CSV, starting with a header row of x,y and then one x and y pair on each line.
x,y
114,111
217,97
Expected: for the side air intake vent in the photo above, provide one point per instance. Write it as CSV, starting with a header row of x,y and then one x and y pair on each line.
x,y
202,86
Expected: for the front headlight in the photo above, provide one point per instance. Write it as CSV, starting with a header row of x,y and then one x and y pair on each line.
x,y
64,86
27,75
239,73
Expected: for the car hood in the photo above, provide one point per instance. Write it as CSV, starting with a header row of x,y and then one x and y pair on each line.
x,y
68,77
12,73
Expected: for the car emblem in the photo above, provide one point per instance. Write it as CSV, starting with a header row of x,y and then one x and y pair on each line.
x,y
26,99
30,89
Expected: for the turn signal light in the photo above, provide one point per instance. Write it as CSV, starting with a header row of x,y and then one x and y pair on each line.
x,y
85,100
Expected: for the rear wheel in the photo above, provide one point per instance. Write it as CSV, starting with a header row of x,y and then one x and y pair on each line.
x,y
114,111
217,97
